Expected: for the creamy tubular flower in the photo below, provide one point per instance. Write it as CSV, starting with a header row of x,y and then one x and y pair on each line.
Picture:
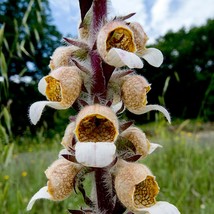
x,y
121,44
61,87
135,185
96,131
138,138
134,95
134,92
62,57
60,177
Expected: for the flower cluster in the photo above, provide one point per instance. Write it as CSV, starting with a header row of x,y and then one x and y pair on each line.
x,y
95,74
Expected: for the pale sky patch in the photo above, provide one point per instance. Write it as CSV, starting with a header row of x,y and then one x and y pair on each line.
x,y
66,15
157,17
185,14
134,6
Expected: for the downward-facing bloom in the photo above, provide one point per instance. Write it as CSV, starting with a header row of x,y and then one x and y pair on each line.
x,y
61,87
138,138
122,44
137,189
135,185
96,131
60,177
134,96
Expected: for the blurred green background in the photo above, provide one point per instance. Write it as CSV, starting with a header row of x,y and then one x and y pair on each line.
x,y
184,84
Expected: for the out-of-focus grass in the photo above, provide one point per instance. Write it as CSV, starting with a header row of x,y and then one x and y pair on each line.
x,y
184,167
24,176
183,170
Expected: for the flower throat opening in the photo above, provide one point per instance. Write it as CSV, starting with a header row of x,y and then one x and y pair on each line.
x,y
145,192
96,128
53,89
120,38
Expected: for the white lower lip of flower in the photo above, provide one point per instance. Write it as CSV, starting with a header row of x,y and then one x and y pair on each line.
x,y
148,108
36,109
99,154
153,56
63,152
118,107
153,147
118,58
41,194
161,207
42,86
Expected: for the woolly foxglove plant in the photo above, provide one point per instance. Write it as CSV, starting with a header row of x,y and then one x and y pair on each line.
x,y
87,72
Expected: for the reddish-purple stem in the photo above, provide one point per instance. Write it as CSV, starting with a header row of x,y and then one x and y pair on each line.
x,y
99,82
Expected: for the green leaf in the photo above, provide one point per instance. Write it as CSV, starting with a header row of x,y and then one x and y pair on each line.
x,y
22,72
36,35
9,156
7,119
38,15
16,26
32,48
177,76
23,48
29,8
18,50
166,85
6,44
2,34
27,29
4,138
3,66
40,4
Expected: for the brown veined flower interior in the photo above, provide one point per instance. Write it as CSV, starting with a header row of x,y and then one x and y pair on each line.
x,y
95,128
53,89
120,38
145,192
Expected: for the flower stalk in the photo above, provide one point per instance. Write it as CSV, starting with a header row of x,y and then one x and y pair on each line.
x,y
95,75
105,203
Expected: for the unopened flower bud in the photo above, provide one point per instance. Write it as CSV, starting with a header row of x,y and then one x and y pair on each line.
x,y
84,28
138,138
68,136
62,57
134,92
135,185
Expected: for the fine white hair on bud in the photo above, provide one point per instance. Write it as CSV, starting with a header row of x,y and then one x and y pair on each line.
x,y
61,87
135,185
68,136
134,95
138,138
60,177
62,57
134,92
